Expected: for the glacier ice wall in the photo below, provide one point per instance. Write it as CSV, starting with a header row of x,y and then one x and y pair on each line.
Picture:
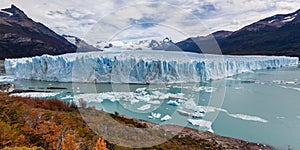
x,y
139,66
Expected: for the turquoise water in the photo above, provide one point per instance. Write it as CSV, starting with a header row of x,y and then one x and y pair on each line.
x,y
262,106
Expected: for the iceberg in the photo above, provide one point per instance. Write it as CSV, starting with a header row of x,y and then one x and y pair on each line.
x,y
35,94
166,118
139,66
202,123
248,118
144,107
155,115
173,103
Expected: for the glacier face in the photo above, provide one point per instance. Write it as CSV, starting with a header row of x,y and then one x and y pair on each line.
x,y
139,66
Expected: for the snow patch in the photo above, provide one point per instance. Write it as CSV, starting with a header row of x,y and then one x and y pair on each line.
x,y
289,18
6,12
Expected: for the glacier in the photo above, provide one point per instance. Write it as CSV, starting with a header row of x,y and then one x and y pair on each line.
x,y
139,66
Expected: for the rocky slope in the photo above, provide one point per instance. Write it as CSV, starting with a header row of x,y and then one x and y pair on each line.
x,y
20,36
276,35
82,46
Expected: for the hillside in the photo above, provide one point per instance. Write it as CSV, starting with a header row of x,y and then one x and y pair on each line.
x,y
20,36
48,123
276,35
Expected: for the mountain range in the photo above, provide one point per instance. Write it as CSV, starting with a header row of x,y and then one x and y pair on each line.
x,y
276,35
20,36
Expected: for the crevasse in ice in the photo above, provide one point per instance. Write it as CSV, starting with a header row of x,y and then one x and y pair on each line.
x,y
139,66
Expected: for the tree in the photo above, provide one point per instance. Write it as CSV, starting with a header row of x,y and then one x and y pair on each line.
x,y
69,143
100,145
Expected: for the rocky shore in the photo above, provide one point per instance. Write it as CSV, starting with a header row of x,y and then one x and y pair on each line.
x,y
227,143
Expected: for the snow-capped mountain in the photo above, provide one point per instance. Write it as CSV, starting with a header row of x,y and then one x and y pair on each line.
x,y
136,45
20,36
275,35
274,22
82,46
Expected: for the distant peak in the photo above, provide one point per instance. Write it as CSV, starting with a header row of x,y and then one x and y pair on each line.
x,y
15,11
13,6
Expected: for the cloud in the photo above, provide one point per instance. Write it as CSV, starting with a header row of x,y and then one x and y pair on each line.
x,y
120,19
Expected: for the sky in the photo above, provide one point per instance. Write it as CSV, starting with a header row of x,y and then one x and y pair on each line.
x,y
109,20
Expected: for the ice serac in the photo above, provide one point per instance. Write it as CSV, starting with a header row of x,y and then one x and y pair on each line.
x,y
139,66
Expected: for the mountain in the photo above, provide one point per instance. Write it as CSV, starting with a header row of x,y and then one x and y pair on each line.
x,y
137,45
82,46
276,35
20,36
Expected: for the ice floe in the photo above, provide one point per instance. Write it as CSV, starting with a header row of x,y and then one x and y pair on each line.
x,y
166,117
35,94
144,107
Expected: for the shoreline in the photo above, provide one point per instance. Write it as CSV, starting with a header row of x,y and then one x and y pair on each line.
x,y
227,142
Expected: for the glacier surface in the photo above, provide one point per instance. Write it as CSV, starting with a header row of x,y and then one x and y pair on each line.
x,y
139,66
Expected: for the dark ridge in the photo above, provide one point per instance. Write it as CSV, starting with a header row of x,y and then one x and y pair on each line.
x,y
20,36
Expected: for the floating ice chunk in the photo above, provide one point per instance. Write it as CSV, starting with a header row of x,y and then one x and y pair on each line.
x,y
173,103
248,118
211,130
155,115
201,123
35,94
154,102
166,117
285,82
277,81
141,89
131,97
67,97
144,98
209,89
194,114
191,105
144,107
293,88
209,109
238,88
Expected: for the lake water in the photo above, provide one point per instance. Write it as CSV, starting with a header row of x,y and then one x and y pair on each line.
x,y
261,106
